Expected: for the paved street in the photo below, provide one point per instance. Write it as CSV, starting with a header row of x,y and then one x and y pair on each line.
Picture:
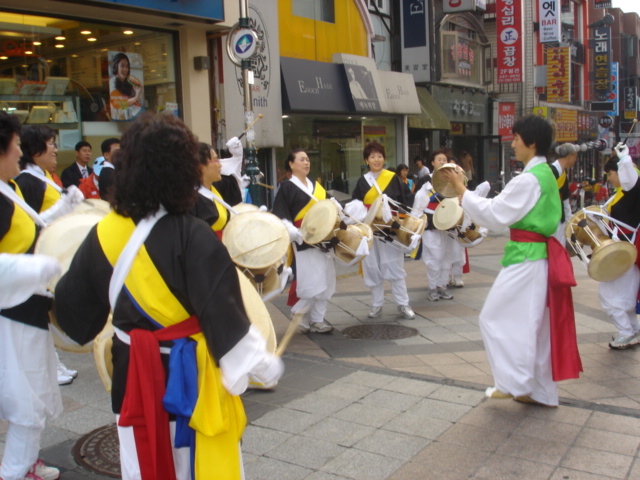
x,y
413,408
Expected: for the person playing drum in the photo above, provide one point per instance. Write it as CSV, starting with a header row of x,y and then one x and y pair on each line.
x,y
618,297
315,272
567,156
384,262
169,281
515,322
439,249
30,392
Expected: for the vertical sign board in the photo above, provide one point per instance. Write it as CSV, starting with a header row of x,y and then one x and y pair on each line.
x,y
558,75
613,95
506,119
416,54
630,103
549,17
601,73
509,41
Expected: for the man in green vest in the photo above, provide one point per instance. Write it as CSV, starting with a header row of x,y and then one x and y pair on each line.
x,y
515,322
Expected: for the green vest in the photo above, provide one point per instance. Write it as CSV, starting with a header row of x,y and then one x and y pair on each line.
x,y
543,218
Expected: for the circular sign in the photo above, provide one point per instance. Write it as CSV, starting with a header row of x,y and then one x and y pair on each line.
x,y
245,42
605,121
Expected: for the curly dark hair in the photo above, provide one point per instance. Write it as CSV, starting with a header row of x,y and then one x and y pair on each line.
x,y
34,140
373,147
204,153
9,126
157,164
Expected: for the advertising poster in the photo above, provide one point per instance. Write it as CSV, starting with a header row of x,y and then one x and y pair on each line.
x,y
126,85
506,119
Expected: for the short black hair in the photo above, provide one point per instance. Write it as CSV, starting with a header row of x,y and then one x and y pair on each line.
x,y
534,130
611,165
401,167
34,140
106,182
372,147
81,144
105,146
9,126
418,159
440,151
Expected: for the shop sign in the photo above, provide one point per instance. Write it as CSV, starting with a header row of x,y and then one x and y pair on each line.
x,y
558,75
613,95
541,112
205,9
602,3
549,16
455,6
464,55
506,119
266,91
364,83
399,92
456,128
416,55
375,133
605,121
509,41
601,73
630,102
566,125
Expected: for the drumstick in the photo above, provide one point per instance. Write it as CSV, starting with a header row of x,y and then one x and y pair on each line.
x,y
264,185
260,116
288,334
635,120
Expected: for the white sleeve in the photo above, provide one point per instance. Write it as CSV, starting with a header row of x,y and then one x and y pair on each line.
x,y
627,173
21,276
514,202
421,199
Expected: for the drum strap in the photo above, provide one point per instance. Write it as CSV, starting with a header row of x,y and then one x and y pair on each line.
x,y
37,172
18,200
565,358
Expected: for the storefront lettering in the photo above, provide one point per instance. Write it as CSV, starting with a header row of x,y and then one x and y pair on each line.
x,y
416,8
400,92
320,85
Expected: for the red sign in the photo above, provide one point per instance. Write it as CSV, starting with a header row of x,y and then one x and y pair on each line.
x,y
506,119
509,40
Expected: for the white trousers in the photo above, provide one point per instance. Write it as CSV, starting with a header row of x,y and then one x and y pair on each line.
x,y
439,254
315,284
618,299
385,262
514,323
20,451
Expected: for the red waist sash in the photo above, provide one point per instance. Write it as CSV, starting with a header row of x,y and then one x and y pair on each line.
x,y
142,406
565,357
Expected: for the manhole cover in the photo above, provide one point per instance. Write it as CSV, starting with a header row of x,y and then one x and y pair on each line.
x,y
99,451
379,332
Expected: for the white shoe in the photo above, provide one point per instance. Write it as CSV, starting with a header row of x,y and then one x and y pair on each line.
x,y
433,296
63,369
457,282
42,471
406,312
303,328
64,379
444,294
375,312
321,327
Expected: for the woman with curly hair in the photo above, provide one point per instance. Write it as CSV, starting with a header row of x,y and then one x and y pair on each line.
x,y
177,283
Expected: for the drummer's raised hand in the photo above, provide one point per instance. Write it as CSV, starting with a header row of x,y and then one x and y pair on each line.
x,y
235,146
456,179
621,150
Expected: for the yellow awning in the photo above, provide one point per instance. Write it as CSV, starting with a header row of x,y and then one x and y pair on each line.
x,y
432,116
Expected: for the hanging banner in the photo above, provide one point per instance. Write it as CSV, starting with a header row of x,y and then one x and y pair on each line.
x,y
601,73
549,17
558,75
509,41
630,102
416,52
566,125
613,95
506,119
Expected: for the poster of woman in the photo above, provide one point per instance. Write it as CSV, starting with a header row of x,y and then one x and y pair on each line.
x,y
126,88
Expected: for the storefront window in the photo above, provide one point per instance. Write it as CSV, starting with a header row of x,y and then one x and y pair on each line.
x,y
463,50
85,80
334,146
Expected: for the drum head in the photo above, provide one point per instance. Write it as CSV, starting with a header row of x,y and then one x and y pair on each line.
x,y
441,185
375,207
255,239
448,214
93,205
245,207
612,260
62,238
319,222
257,311
102,354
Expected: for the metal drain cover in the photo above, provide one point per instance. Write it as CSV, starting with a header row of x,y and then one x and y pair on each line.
x,y
379,332
99,451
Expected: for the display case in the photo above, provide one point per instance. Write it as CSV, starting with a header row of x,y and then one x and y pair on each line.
x,y
59,112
